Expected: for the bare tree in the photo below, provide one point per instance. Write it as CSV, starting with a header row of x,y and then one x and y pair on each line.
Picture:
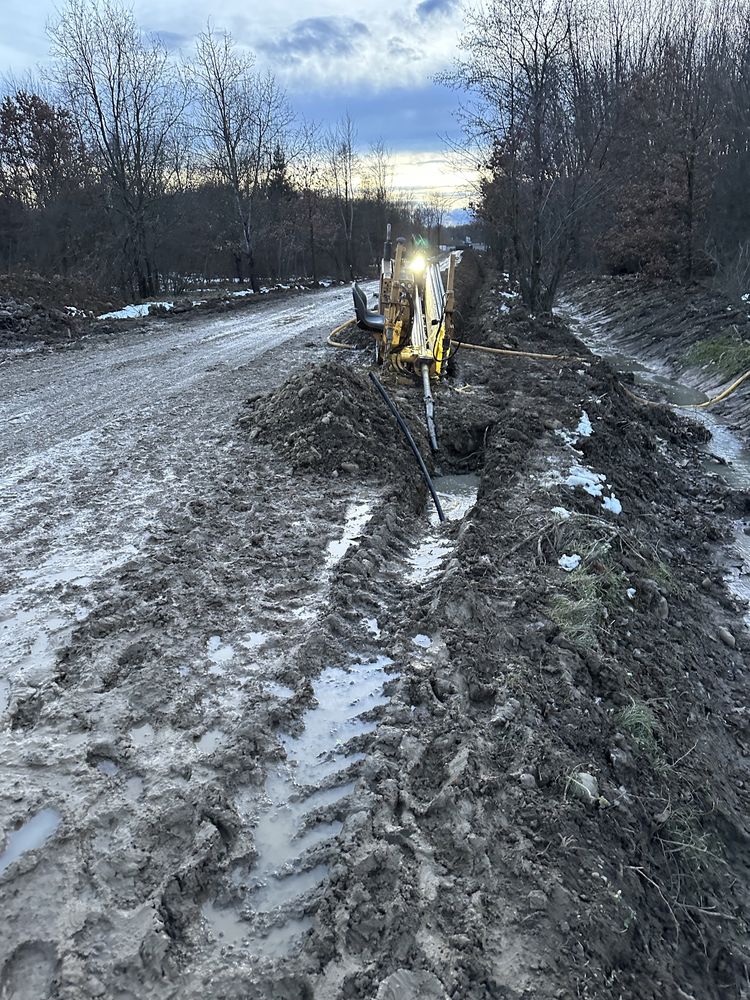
x,y
530,107
128,101
343,165
438,205
241,116
307,169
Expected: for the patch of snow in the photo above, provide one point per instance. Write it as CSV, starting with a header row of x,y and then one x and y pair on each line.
x,y
612,504
242,293
584,428
561,513
569,563
590,482
372,626
631,592
74,311
136,311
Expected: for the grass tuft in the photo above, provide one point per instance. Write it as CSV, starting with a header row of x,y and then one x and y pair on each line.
x,y
639,723
578,611
731,355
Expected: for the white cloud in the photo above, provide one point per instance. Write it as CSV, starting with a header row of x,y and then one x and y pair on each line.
x,y
407,45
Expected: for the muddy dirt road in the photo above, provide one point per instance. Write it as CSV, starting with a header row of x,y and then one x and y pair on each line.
x,y
274,734
96,444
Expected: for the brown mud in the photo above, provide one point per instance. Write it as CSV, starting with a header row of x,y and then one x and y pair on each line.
x,y
493,777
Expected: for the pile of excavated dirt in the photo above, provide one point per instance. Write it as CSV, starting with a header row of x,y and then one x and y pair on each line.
x,y
331,420
24,321
34,309
700,335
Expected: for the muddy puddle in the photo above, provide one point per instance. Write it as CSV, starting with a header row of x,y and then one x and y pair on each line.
x,y
725,453
458,494
29,837
266,903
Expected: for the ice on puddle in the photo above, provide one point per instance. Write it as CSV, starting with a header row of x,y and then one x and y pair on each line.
x,y
569,563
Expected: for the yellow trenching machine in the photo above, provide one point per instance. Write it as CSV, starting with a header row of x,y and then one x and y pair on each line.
x,y
413,326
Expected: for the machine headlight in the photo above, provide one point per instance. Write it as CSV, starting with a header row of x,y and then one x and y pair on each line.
x,y
418,264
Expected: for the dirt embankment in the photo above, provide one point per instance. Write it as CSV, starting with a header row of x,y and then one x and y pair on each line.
x,y
699,335
549,801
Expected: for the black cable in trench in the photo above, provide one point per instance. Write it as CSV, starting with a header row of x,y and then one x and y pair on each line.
x,y
412,443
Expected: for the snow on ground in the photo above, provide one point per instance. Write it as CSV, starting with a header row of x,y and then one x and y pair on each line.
x,y
135,311
569,563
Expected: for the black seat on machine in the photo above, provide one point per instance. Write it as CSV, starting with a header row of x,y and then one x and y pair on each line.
x,y
366,320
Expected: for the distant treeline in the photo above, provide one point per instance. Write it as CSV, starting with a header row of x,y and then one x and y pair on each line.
x,y
613,134
137,172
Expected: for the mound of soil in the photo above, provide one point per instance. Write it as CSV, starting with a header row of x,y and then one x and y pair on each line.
x,y
34,309
24,321
331,420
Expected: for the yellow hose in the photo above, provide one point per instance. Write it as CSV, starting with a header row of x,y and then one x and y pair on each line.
x,y
337,343
516,354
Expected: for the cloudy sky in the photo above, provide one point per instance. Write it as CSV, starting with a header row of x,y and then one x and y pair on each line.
x,y
375,60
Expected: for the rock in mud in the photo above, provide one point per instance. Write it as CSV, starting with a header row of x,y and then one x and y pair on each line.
x,y
585,787
507,712
726,637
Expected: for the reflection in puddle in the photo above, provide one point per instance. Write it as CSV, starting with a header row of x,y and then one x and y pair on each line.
x,y
279,690
141,735
134,788
458,494
357,516
31,835
219,653
210,741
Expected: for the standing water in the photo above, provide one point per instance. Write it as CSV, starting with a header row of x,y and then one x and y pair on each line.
x,y
269,914
457,494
